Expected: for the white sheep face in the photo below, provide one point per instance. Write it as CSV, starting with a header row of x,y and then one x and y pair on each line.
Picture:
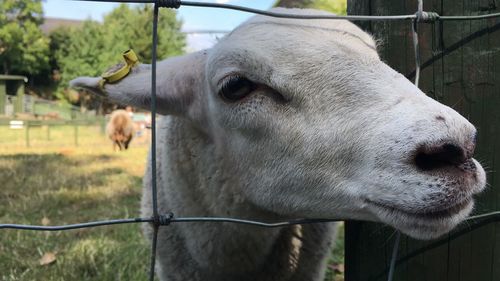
x,y
309,122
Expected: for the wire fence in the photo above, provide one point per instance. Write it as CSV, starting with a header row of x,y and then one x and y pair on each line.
x,y
45,133
18,133
158,220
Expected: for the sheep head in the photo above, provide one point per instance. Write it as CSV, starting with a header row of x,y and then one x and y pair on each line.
x,y
313,124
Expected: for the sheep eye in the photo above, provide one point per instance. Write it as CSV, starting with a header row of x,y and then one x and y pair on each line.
x,y
236,88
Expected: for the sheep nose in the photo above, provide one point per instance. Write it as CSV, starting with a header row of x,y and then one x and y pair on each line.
x,y
447,154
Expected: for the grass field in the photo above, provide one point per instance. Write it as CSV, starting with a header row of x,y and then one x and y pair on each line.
x,y
45,137
54,182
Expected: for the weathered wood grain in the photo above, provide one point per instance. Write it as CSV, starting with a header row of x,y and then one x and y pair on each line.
x,y
460,68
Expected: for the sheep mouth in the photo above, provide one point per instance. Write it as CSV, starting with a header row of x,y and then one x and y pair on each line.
x,y
435,215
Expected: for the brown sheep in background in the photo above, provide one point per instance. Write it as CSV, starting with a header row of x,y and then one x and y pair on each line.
x,y
120,129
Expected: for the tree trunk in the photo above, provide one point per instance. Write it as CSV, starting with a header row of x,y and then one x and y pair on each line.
x,y
5,67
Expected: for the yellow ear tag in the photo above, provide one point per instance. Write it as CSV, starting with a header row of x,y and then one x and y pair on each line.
x,y
118,72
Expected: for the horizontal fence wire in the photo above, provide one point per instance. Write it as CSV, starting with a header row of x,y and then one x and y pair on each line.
x,y
425,16
158,220
473,223
166,220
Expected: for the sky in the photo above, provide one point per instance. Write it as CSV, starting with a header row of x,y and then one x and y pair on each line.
x,y
194,18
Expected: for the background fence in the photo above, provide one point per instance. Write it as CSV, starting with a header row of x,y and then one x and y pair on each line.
x,y
461,68
63,133
368,242
51,132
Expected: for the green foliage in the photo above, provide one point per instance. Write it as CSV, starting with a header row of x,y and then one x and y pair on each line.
x,y
59,40
127,28
93,48
81,51
335,6
23,47
335,265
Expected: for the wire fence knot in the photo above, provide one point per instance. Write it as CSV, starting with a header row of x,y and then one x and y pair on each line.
x,y
172,4
163,219
422,16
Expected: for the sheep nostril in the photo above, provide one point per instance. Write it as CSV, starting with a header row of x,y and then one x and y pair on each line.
x,y
439,156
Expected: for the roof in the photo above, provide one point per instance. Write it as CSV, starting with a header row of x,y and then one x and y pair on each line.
x,y
50,24
13,77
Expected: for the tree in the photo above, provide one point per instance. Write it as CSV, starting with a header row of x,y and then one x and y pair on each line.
x,y
23,47
93,48
335,6
60,39
132,28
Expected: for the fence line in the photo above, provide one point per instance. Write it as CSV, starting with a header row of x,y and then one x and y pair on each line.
x,y
28,125
161,220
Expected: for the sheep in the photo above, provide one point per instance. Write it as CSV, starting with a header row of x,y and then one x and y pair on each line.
x,y
287,118
120,129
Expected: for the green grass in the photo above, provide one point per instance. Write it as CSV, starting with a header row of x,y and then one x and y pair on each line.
x,y
66,185
335,268
55,182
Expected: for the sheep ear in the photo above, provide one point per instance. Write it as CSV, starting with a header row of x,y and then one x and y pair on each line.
x,y
178,80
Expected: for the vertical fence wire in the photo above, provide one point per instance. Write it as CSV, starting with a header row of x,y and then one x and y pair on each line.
x,y
420,15
414,27
154,198
394,256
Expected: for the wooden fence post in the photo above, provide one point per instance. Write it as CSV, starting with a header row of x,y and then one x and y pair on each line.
x,y
76,133
460,68
103,125
27,133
